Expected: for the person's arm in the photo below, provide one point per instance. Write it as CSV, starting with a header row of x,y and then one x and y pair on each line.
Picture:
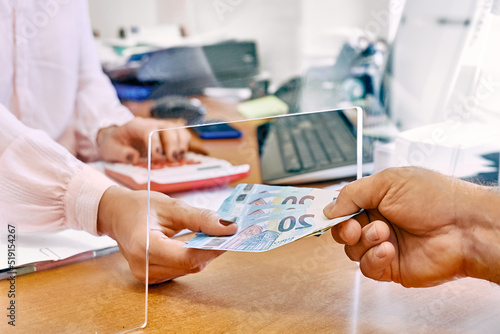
x,y
483,235
106,129
43,186
419,227
97,104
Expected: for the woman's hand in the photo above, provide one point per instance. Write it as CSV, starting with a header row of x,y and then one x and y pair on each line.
x,y
122,216
129,142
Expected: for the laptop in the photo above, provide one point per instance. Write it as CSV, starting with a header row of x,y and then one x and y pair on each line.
x,y
310,147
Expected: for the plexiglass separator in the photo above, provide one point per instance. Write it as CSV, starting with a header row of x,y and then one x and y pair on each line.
x,y
359,167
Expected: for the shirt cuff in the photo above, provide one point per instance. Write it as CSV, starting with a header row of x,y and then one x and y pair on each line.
x,y
83,197
88,150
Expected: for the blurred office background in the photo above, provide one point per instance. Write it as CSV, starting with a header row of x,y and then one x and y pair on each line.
x,y
438,38
417,63
291,34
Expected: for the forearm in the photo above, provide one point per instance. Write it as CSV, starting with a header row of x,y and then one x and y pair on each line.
x,y
483,235
54,193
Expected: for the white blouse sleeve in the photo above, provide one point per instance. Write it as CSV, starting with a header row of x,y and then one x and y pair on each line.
x,y
43,187
96,102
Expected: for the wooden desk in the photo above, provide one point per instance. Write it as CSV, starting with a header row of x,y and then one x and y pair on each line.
x,y
305,287
311,287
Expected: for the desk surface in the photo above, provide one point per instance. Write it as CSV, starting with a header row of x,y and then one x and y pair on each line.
x,y
306,286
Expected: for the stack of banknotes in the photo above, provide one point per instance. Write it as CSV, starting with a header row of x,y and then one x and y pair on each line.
x,y
270,217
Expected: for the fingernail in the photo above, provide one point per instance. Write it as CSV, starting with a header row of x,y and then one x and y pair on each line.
x,y
330,206
181,155
158,150
372,234
176,156
226,222
130,157
380,251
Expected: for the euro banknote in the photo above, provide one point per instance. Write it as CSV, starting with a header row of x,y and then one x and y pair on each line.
x,y
248,198
270,217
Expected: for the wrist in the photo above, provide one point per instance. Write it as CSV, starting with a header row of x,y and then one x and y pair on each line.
x,y
482,234
109,209
141,109
104,133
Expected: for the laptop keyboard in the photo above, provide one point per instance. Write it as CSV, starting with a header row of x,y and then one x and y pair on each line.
x,y
315,141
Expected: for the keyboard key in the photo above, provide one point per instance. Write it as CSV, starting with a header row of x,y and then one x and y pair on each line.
x,y
303,150
290,159
330,146
316,148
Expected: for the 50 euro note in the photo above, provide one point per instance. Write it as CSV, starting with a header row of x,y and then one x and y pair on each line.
x,y
273,225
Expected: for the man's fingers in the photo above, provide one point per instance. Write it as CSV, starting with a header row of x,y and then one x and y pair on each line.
x,y
365,193
347,232
376,263
372,235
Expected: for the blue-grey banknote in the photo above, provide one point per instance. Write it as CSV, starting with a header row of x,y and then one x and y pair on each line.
x,y
269,217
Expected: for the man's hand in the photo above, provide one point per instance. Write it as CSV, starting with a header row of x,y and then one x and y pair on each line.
x,y
122,216
415,227
127,143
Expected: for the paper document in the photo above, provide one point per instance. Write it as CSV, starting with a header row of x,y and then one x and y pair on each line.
x,y
50,248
